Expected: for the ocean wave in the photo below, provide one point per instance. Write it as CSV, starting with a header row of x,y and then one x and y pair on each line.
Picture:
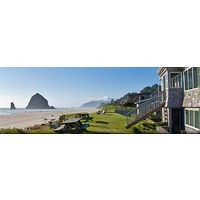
x,y
7,111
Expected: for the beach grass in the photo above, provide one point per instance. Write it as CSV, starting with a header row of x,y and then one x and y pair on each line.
x,y
11,131
40,130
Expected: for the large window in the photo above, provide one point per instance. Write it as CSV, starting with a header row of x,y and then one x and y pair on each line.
x,y
186,80
164,82
197,119
197,76
187,118
192,118
176,79
192,78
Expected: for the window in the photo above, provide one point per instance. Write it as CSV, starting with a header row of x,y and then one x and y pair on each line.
x,y
192,118
198,76
175,79
195,77
164,83
192,78
197,119
187,121
186,80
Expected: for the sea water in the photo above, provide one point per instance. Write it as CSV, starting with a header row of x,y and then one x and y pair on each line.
x,y
8,111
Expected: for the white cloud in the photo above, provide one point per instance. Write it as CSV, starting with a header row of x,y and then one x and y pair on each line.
x,y
105,98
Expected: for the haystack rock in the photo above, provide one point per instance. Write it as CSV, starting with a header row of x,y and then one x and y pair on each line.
x,y
12,106
37,101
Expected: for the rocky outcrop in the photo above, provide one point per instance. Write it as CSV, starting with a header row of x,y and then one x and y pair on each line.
x,y
37,101
12,106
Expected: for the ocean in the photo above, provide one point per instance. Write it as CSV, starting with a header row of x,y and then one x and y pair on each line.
x,y
8,111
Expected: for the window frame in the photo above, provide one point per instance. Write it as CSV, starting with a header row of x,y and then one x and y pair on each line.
x,y
179,76
192,118
191,78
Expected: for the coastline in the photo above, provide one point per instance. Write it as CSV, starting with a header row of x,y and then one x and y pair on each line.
x,y
27,119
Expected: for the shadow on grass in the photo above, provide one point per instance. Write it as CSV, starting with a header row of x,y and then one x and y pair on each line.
x,y
102,122
106,132
93,132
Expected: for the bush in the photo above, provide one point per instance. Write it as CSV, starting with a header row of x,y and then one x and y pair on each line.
x,y
145,127
135,129
152,116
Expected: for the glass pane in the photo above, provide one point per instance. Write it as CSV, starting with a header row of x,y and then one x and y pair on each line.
x,y
190,78
196,119
187,117
175,79
191,118
163,83
198,76
166,81
186,80
195,77
199,119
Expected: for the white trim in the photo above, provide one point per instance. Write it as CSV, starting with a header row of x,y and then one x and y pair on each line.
x,y
189,117
192,127
191,89
194,109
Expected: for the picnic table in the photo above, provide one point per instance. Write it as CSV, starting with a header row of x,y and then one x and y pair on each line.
x,y
72,125
84,116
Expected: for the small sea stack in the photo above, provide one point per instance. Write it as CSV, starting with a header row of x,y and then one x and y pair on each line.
x,y
12,106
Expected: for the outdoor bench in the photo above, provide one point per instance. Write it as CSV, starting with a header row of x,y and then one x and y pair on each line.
x,y
60,129
84,126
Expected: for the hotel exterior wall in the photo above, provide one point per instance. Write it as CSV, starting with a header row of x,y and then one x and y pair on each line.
x,y
174,97
192,98
178,98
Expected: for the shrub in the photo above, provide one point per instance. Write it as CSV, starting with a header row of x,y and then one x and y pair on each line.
x,y
135,129
152,116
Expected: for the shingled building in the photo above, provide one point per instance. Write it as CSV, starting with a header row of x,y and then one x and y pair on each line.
x,y
179,101
182,102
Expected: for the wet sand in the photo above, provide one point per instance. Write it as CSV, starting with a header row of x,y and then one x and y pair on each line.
x,y
27,119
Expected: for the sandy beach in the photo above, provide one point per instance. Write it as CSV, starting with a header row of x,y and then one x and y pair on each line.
x,y
27,119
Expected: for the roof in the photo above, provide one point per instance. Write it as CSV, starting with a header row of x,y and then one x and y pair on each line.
x,y
162,70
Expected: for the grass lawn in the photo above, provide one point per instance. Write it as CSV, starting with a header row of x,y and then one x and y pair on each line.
x,y
108,123
113,123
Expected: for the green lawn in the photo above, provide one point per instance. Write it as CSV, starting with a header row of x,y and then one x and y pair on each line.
x,y
101,124
108,123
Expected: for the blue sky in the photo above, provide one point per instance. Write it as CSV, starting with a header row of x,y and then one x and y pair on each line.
x,y
71,86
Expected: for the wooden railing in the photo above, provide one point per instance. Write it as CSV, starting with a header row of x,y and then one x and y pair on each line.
x,y
147,108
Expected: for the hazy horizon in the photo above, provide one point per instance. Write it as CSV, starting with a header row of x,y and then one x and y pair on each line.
x,y
65,87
